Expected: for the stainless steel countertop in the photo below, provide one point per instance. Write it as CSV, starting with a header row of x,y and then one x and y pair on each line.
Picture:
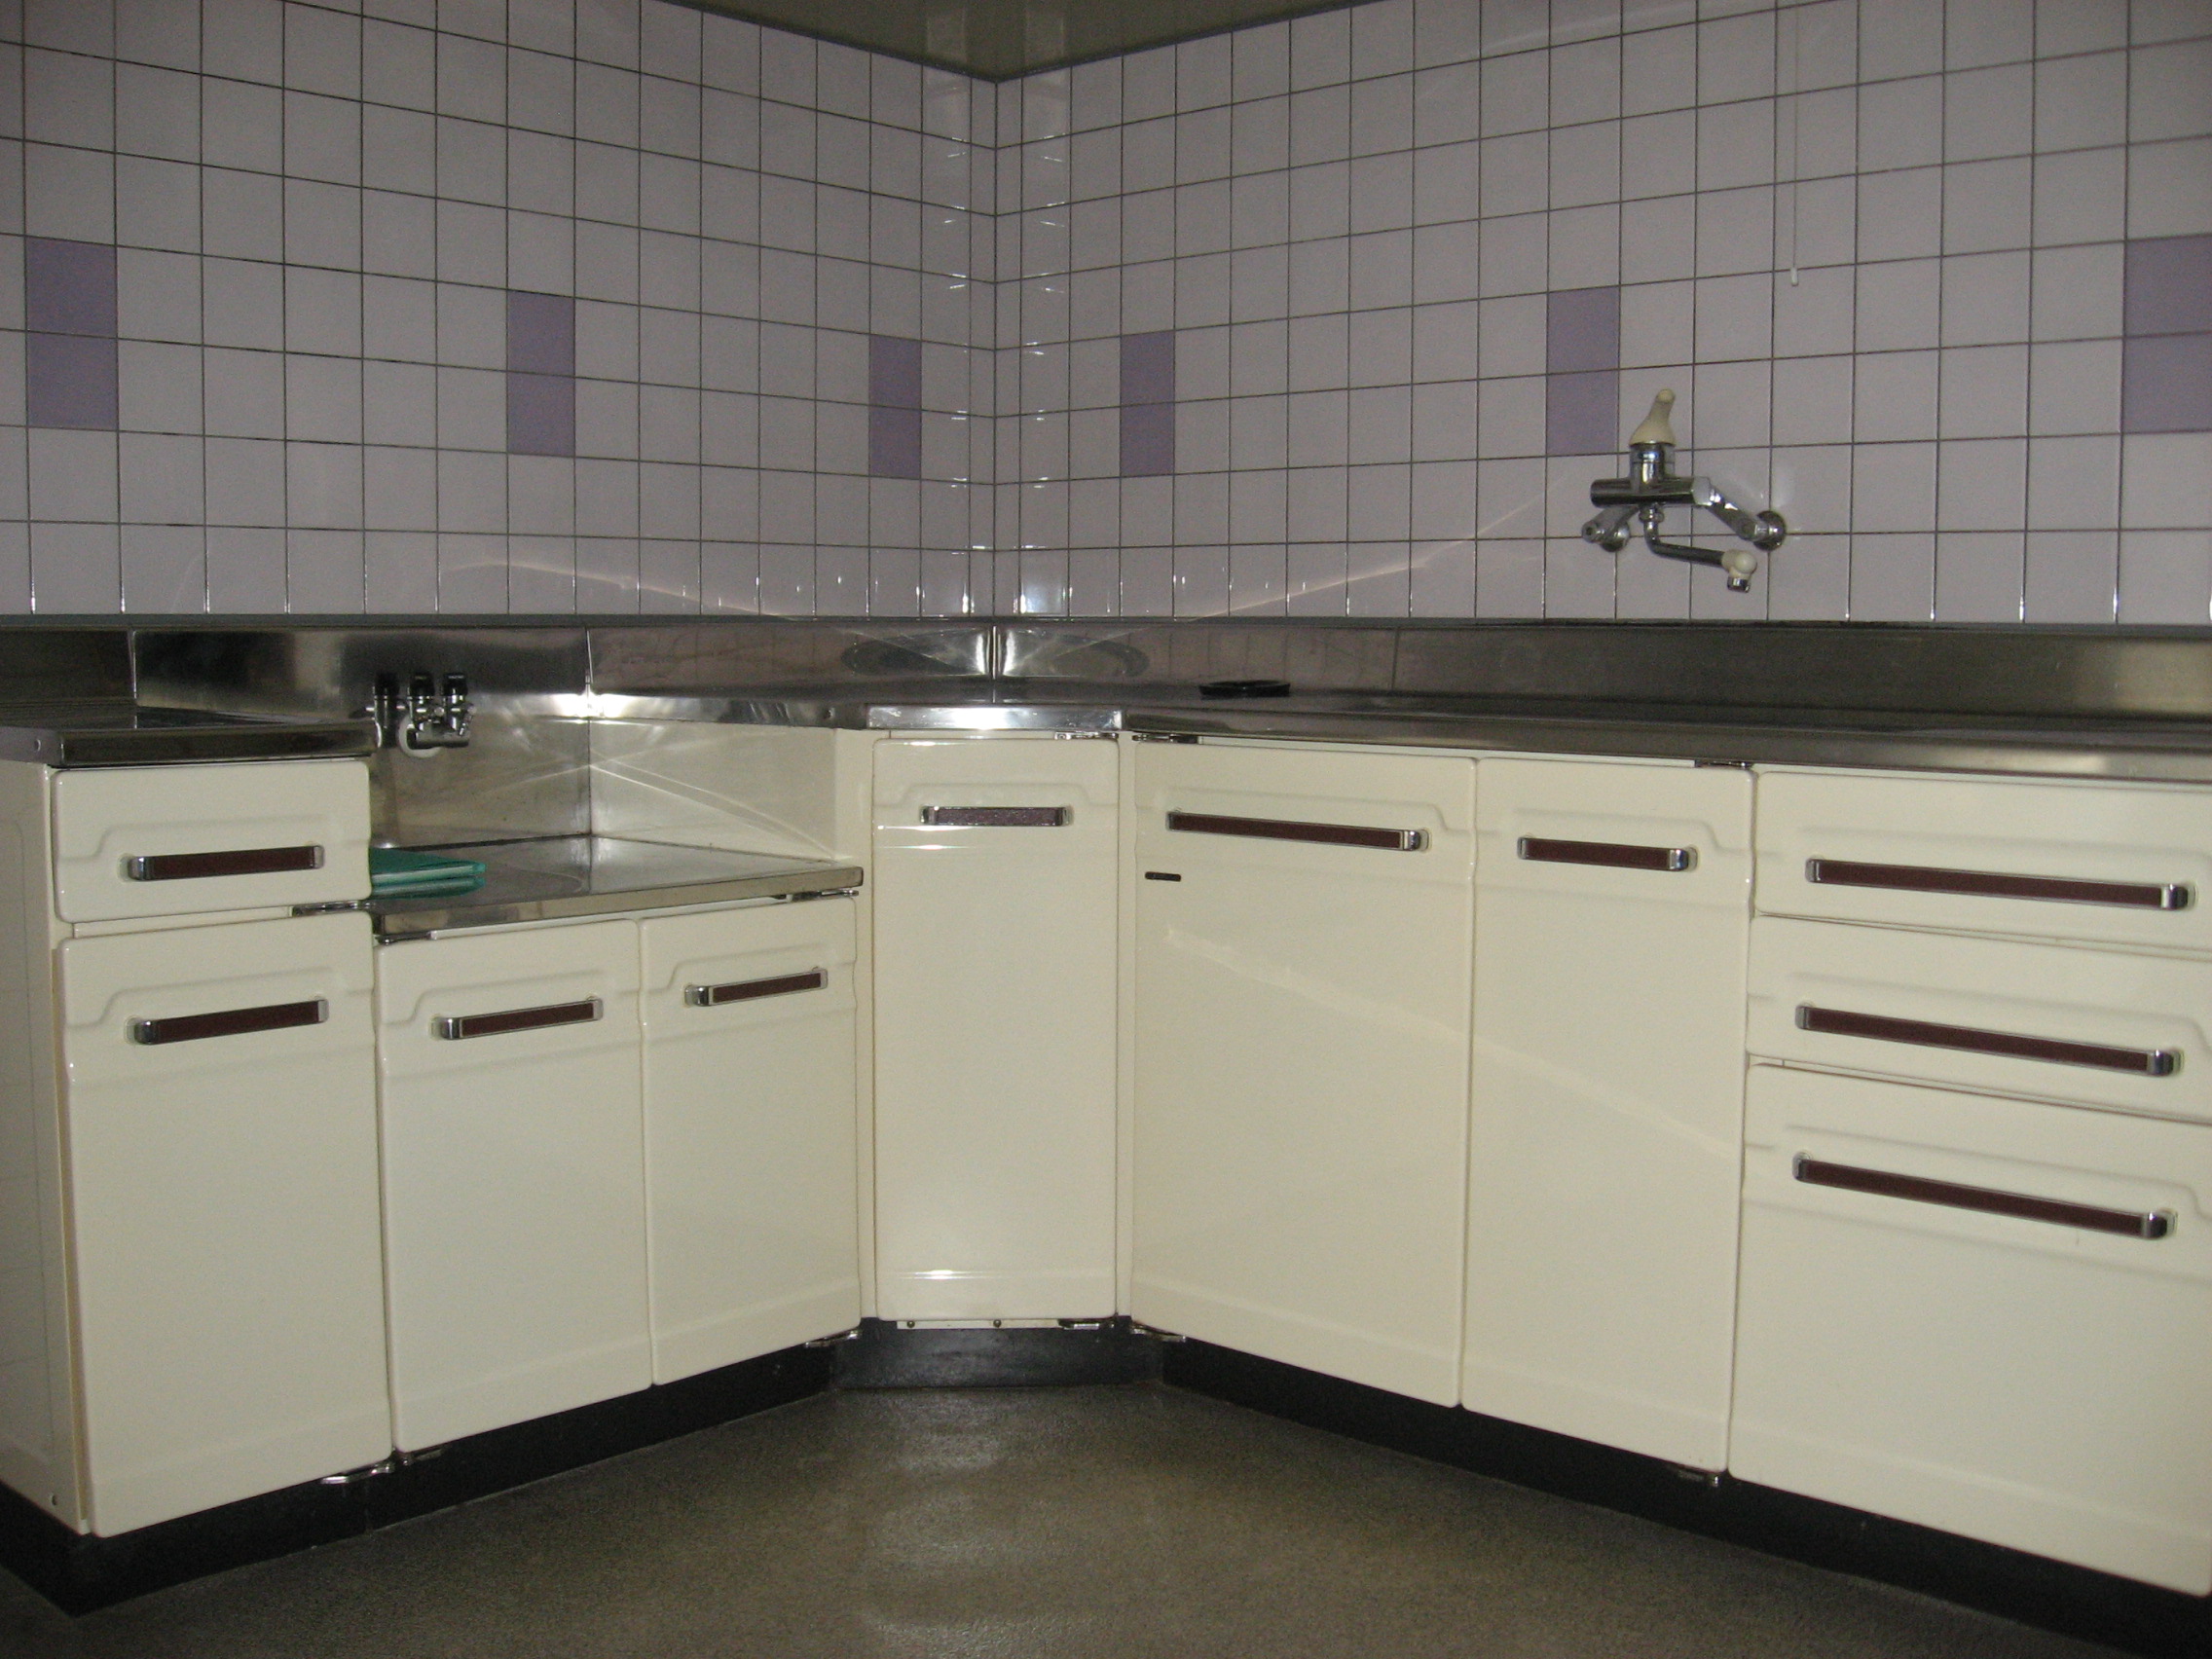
x,y
2142,749
117,733
564,877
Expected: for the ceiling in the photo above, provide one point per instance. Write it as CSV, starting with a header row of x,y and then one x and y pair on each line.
x,y
1001,38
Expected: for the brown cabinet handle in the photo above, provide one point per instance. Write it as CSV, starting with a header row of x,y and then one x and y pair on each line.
x,y
455,1027
1613,855
751,990
1991,884
997,816
230,1022
1886,1184
240,861
1290,829
1883,1028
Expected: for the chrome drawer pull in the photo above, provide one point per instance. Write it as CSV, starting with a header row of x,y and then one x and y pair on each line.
x,y
1614,855
751,990
1840,1022
1290,829
997,816
1989,884
1885,1183
243,860
230,1022
455,1027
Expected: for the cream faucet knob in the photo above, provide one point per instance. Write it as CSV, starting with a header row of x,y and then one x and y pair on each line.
x,y
1657,429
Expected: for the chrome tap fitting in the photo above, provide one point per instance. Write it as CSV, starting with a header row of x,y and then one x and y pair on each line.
x,y
1652,486
427,715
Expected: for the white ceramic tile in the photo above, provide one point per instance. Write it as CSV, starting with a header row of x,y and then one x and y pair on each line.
x,y
2074,387
1987,205
1893,488
2072,577
1899,305
1982,484
2165,576
2081,197
1900,214
2074,484
164,569
2165,481
2170,188
1984,391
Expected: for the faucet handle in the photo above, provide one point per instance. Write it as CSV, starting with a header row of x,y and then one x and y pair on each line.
x,y
1657,428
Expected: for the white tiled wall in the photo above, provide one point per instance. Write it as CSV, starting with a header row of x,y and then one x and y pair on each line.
x,y
1876,245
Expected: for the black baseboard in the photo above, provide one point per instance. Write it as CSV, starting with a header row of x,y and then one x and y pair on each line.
x,y
891,1355
79,1573
2076,1601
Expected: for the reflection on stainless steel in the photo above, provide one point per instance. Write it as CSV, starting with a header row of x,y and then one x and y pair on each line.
x,y
591,875
521,774
990,716
40,663
123,734
777,653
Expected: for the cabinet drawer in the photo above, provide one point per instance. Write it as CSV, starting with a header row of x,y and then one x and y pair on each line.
x,y
2062,1023
2125,865
1911,1342
177,840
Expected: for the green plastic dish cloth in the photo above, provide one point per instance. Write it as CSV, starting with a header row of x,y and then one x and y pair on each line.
x,y
397,870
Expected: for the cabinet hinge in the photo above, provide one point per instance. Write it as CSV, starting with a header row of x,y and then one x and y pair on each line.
x,y
1164,737
826,892
851,1336
328,908
1157,1335
1732,765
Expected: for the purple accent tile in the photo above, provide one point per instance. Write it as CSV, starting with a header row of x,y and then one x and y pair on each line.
x,y
1582,413
541,414
69,380
2165,384
542,337
1148,439
2169,286
1582,331
894,442
895,377
68,287
1148,368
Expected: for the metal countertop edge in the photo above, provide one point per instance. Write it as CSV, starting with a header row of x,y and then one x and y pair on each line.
x,y
432,918
2028,754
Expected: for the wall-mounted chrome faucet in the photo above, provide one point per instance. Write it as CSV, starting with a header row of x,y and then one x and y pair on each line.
x,y
1652,486
427,715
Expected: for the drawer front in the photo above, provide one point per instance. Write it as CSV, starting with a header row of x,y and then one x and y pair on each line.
x,y
180,840
1984,1315
2098,1027
2049,860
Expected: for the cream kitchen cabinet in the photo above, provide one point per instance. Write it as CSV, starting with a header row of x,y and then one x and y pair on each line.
x,y
1988,1315
192,1305
1303,942
221,1115
514,1175
1612,903
750,1122
995,902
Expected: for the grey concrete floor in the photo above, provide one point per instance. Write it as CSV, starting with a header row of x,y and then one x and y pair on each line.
x,y
1132,1522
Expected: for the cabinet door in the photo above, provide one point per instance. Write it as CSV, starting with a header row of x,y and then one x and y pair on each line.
x,y
1301,1041
514,1175
1980,1315
175,840
995,908
1612,903
220,1102
751,1173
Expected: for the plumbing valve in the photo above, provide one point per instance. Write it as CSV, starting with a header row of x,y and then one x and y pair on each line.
x,y
1652,486
427,715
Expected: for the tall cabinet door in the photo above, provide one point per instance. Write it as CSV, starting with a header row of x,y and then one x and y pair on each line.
x,y
1302,956
1611,920
220,1105
514,1175
751,1173
995,907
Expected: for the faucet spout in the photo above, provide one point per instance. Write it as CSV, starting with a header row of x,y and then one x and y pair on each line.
x,y
1652,486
